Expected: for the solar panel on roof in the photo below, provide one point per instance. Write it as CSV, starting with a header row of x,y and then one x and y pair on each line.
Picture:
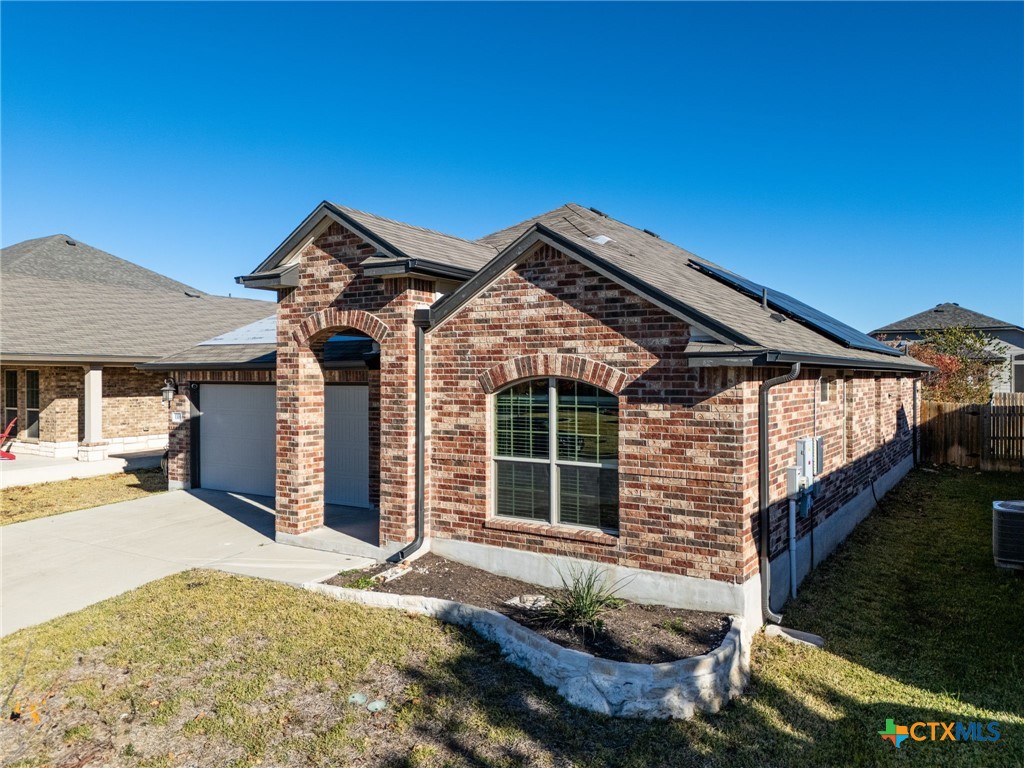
x,y
819,321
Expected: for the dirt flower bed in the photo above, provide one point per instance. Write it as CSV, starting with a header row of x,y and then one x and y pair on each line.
x,y
642,634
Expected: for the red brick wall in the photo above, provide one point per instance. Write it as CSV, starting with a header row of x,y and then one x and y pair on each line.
x,y
334,296
867,429
688,457
680,439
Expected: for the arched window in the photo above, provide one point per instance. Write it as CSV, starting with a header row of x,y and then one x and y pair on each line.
x,y
556,453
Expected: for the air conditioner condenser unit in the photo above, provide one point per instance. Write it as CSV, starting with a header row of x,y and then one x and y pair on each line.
x,y
1008,534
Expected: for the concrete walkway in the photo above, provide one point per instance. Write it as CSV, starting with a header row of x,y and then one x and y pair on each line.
x,y
27,469
55,565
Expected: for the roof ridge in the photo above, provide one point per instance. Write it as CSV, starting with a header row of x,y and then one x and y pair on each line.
x,y
412,226
527,220
650,234
972,318
27,249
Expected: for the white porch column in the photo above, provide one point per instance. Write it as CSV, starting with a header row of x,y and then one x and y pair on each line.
x,y
92,447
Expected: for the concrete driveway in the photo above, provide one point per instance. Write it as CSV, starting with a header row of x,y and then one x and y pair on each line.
x,y
55,565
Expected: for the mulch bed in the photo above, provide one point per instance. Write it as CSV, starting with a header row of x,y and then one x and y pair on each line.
x,y
642,634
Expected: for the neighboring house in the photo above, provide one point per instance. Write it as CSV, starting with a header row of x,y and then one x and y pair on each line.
x,y
1009,362
75,322
568,389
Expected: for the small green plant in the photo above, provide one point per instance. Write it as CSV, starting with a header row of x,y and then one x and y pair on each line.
x,y
363,582
586,594
77,733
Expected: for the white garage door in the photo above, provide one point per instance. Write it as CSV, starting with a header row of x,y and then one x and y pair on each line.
x,y
236,438
346,446
237,447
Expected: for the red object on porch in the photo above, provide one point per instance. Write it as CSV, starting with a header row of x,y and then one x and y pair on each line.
x,y
5,455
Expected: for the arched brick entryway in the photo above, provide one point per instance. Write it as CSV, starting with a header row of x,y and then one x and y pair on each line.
x,y
300,416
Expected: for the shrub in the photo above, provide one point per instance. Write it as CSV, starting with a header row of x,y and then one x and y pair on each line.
x,y
586,594
966,362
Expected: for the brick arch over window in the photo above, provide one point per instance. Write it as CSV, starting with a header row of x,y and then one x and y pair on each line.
x,y
332,318
561,366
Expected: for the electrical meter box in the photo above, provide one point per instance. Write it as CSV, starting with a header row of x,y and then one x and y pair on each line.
x,y
810,464
806,458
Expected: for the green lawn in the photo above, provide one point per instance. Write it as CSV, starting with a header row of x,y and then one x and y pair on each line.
x,y
209,669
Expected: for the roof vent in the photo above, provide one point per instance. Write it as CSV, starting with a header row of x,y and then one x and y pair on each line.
x,y
600,213
778,318
652,234
71,242
600,239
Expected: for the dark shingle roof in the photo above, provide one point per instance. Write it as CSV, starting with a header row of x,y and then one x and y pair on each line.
x,y
75,302
425,244
653,262
946,316
667,268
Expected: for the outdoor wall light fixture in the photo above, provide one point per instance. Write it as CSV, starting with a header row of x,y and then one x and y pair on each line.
x,y
169,390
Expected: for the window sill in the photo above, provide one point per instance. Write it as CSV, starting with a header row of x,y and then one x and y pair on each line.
x,y
551,531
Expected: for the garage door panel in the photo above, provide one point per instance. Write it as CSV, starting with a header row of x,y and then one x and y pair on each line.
x,y
346,446
237,438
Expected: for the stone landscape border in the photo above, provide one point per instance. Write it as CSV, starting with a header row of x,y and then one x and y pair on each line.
x,y
675,689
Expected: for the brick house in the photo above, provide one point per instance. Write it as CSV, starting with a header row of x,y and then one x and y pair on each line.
x,y
75,323
569,389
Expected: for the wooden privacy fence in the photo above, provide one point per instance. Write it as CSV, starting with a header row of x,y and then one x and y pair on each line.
x,y
988,436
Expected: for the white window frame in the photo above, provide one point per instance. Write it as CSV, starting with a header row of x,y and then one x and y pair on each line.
x,y
553,462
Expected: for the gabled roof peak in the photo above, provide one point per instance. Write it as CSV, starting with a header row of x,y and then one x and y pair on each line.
x,y
946,315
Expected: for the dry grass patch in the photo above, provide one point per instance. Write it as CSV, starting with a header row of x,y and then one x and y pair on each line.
x,y
209,669
27,502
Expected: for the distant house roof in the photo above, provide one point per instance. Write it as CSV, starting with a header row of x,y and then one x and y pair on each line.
x,y
946,315
65,301
735,322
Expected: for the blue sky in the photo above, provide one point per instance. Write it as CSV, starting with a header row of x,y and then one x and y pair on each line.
x,y
866,158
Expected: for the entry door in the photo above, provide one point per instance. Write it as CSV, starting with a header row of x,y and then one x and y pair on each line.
x,y
346,445
237,450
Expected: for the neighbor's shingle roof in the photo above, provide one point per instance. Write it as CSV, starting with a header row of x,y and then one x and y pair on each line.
x,y
946,316
76,302
219,356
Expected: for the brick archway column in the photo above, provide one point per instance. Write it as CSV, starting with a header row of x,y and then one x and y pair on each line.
x,y
563,366
300,413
